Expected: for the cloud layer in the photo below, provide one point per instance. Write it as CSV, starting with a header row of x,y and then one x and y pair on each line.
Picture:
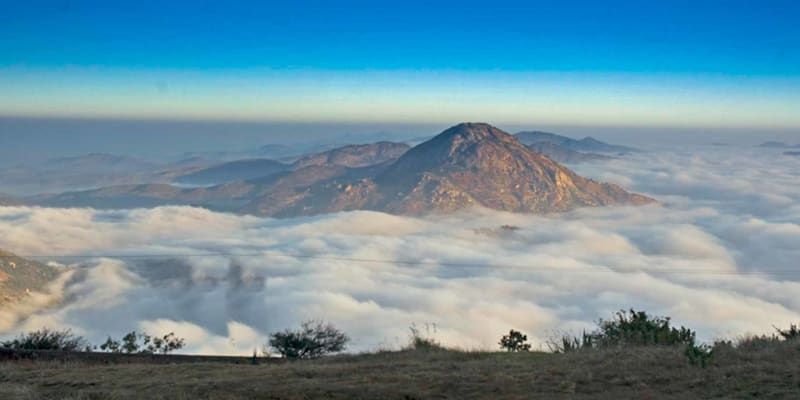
x,y
719,255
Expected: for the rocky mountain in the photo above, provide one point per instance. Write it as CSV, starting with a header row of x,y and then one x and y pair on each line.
x,y
19,277
564,155
355,156
470,164
587,144
233,171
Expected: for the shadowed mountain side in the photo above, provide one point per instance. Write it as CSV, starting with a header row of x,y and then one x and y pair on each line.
x,y
355,156
233,171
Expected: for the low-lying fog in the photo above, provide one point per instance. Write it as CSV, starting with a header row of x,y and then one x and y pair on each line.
x,y
719,255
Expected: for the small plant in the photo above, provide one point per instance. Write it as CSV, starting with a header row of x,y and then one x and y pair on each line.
x,y
313,339
515,341
46,339
699,355
426,341
756,342
571,344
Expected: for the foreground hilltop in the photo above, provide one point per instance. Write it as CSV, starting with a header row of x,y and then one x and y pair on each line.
x,y
658,372
469,164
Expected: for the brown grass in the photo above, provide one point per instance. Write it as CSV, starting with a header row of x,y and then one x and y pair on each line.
x,y
646,373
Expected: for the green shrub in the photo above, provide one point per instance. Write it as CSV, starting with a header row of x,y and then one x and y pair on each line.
x,y
514,341
630,329
313,339
793,333
423,341
636,328
46,339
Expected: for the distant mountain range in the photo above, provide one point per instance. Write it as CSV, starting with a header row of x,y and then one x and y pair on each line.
x,y
564,155
470,164
779,145
90,170
105,162
356,155
232,171
587,144
792,153
352,156
19,277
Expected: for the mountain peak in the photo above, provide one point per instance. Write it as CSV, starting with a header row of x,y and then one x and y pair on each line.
x,y
472,132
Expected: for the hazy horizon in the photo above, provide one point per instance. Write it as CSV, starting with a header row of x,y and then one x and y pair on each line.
x,y
35,139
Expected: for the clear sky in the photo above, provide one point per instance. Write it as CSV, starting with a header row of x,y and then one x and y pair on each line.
x,y
639,63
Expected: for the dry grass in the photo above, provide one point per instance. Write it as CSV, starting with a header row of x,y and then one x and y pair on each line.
x,y
647,373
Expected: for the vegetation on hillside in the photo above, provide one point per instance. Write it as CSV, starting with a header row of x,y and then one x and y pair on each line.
x,y
314,339
632,355
65,340
47,339
134,342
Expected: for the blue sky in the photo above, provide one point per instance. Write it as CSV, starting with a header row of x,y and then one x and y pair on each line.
x,y
675,63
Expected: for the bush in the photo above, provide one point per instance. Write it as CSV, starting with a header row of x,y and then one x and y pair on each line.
x,y
514,341
627,329
46,339
636,328
149,345
424,342
793,333
313,339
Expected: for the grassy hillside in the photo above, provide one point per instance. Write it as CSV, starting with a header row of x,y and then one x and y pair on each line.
x,y
769,371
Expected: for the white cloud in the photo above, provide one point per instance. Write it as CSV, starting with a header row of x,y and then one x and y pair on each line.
x,y
719,255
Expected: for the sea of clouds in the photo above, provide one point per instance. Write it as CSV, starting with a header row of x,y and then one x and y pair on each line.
x,y
719,254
